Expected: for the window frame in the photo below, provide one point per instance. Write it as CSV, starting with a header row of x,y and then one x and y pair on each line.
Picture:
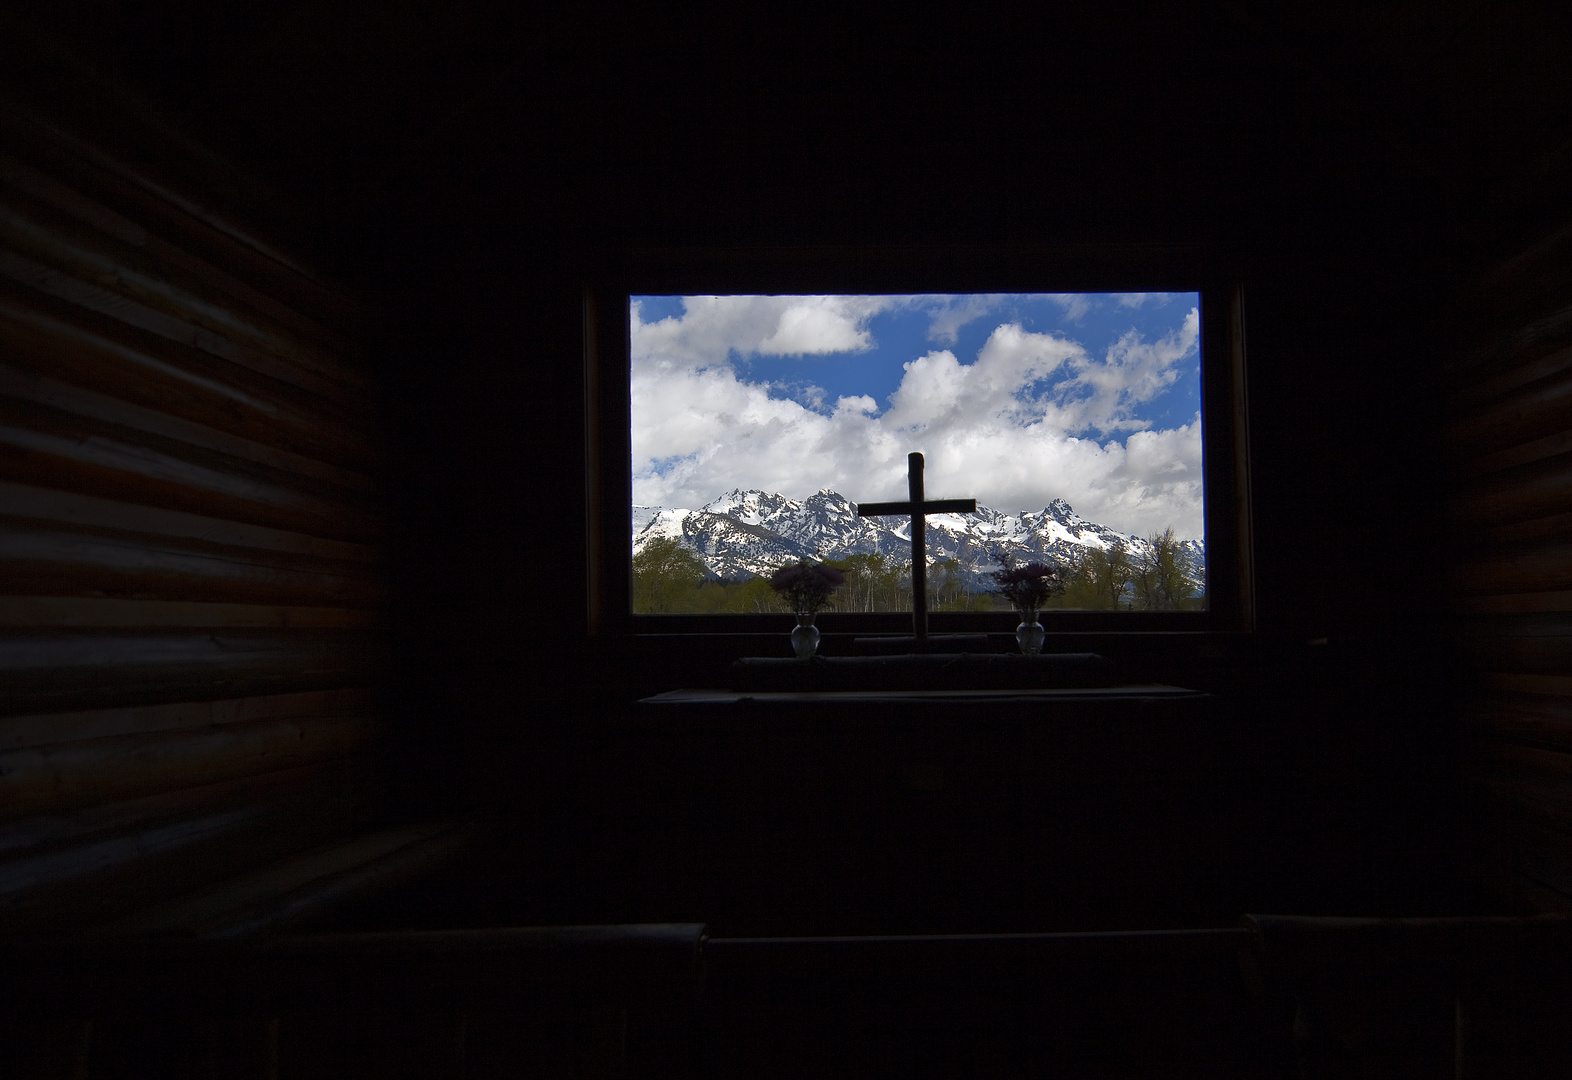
x,y
608,411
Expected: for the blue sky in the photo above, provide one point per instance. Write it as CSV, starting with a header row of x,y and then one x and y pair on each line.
x,y
1015,399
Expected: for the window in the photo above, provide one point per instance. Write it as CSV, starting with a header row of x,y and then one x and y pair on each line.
x,y
1100,430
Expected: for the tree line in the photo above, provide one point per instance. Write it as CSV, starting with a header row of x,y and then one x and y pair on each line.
x,y
668,578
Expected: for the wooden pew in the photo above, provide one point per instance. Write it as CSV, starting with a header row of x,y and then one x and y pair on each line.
x,y
1462,997
574,1001
1332,997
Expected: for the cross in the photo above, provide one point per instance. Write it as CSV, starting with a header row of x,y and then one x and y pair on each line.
x,y
919,511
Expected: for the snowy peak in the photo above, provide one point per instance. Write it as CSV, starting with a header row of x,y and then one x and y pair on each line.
x,y
753,506
751,533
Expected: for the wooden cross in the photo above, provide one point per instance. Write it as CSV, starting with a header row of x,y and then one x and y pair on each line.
x,y
919,511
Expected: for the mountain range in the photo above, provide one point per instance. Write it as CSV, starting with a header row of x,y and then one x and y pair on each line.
x,y
751,533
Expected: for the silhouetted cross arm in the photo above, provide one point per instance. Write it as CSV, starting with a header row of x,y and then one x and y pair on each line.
x,y
918,510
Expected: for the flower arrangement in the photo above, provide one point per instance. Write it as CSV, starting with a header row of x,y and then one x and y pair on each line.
x,y
806,585
1027,586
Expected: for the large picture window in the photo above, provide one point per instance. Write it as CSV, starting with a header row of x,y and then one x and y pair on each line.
x,y
758,422
741,403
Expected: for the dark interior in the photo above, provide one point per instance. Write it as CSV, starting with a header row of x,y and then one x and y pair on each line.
x,y
422,192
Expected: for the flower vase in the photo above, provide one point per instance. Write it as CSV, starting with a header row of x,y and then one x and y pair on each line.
x,y
1030,634
804,636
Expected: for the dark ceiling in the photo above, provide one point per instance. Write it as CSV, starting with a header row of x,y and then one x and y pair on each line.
x,y
478,121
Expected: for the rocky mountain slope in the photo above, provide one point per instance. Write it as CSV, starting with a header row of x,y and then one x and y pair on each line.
x,y
747,533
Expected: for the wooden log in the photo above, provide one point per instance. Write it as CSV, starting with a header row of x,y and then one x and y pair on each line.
x,y
1527,492
1545,721
61,563
63,671
1549,685
160,212
48,728
48,832
68,611
1533,849
41,233
71,508
51,449
1483,538
110,875
1525,319
1516,603
1530,279
22,876
1506,890
1538,625
1538,570
1510,308
1529,797
1539,643
27,422
137,147
1536,411
1476,394
1514,456
52,282
63,776
304,886
1523,656
1516,761
70,346
30,387
48,190
97,353
128,174
1518,799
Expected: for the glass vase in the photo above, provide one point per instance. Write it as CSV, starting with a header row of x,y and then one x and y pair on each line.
x,y
804,636
1030,634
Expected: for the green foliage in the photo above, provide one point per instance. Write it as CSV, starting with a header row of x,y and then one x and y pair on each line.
x,y
670,579
754,596
872,584
947,590
749,597
1160,581
1110,580
1097,580
666,577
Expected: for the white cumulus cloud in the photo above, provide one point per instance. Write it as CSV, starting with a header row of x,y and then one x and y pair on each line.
x,y
1031,418
1140,299
947,314
712,327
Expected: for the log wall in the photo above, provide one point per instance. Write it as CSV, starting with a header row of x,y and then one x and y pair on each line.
x,y
1511,435
190,579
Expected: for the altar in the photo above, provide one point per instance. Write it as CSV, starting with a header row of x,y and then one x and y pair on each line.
x,y
903,810
1138,694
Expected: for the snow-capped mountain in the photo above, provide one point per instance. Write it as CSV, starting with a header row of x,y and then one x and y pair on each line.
x,y
747,533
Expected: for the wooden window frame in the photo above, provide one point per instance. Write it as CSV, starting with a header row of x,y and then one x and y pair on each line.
x,y
608,411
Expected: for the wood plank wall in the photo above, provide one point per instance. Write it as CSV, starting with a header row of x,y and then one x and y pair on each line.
x,y
1511,521
189,569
